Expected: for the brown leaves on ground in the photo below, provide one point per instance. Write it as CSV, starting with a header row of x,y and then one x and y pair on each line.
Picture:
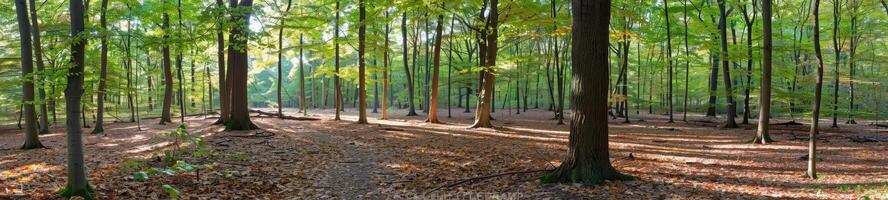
x,y
679,160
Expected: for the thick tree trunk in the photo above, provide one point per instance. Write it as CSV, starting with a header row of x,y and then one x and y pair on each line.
x,y
433,99
815,113
239,61
32,141
588,159
762,135
76,183
488,45
103,72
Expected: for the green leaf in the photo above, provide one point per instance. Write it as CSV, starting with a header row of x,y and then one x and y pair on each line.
x,y
140,176
171,191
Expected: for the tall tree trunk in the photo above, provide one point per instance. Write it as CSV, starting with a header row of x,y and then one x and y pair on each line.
x,y
433,100
38,58
337,85
385,69
32,141
280,75
815,113
559,110
762,135
749,18
165,115
76,183
179,57
729,92
238,63
488,45
100,101
450,66
412,108
362,85
588,154
302,101
687,59
224,97
852,59
668,58
837,46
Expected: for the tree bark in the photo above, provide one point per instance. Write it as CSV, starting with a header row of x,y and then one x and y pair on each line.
x,y
239,61
38,58
165,115
76,183
762,135
668,58
588,159
815,113
488,44
732,108
103,72
32,140
362,85
337,85
433,99
224,97
412,108
280,75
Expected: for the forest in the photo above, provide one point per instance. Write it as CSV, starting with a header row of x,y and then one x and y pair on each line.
x,y
443,99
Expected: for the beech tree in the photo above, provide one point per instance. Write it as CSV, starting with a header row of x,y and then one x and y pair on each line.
x,y
32,141
77,184
588,156
815,113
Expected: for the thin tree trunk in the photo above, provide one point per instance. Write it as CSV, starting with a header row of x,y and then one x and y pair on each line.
x,y
337,85
100,101
412,109
38,58
224,97
165,115
815,113
668,58
732,109
280,75
762,135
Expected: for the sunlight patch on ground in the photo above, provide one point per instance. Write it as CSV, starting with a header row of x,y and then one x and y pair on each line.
x,y
147,147
27,173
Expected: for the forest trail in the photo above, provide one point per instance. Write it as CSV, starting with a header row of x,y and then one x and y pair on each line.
x,y
351,176
405,158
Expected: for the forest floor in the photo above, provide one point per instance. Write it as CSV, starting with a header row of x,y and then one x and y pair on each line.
x,y
405,158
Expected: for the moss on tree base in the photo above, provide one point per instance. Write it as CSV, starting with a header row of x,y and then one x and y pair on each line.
x,y
67,192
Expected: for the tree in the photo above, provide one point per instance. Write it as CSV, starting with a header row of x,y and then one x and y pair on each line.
x,y
487,42
224,97
668,58
433,101
237,65
362,85
732,108
280,72
32,141
412,109
815,113
100,99
588,159
337,88
165,115
749,19
385,69
77,184
762,135
38,58
838,45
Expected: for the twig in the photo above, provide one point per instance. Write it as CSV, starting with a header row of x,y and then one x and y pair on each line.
x,y
485,177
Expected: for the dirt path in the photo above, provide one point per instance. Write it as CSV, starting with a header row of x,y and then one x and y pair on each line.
x,y
351,176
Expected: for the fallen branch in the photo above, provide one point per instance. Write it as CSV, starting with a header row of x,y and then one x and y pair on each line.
x,y
275,115
485,177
